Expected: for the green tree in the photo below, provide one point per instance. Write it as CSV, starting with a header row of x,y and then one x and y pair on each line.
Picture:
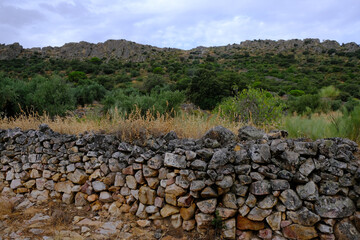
x,y
206,90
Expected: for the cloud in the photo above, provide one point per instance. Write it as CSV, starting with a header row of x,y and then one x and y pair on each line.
x,y
177,23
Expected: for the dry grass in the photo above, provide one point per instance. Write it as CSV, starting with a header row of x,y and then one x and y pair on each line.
x,y
127,127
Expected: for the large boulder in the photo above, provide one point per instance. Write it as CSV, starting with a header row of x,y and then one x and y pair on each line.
x,y
220,134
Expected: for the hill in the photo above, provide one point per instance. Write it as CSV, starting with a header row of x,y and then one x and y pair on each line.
x,y
79,73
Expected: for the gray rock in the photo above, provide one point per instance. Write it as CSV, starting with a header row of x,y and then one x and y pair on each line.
x,y
260,153
304,217
240,190
250,133
306,148
155,162
334,207
290,199
329,188
279,185
242,169
182,182
345,230
221,134
307,167
99,186
268,202
207,206
258,214
220,158
260,187
226,182
174,160
308,191
197,185
105,197
199,165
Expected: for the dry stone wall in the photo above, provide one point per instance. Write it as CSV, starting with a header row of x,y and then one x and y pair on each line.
x,y
257,185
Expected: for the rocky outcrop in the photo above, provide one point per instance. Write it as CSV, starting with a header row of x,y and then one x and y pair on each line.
x,y
126,50
267,188
120,49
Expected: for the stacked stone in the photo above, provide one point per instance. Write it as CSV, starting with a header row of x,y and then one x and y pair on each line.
x,y
260,186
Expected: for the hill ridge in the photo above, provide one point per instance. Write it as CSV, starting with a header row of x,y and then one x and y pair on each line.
x,y
127,50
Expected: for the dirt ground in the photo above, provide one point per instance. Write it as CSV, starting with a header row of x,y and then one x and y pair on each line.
x,y
55,221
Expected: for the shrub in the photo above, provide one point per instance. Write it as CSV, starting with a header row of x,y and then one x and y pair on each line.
x,y
76,76
253,105
304,104
152,81
297,93
158,101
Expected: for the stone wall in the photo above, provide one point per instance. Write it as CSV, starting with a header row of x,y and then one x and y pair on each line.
x,y
257,185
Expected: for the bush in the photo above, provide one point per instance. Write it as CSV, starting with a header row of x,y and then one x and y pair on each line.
x,y
158,101
88,93
52,96
152,81
297,93
76,76
304,104
252,105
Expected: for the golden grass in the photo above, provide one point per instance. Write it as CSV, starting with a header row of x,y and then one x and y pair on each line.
x,y
127,127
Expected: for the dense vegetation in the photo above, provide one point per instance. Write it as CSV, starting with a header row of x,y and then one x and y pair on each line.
x,y
221,80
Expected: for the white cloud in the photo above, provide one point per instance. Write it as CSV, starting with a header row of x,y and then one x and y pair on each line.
x,y
176,23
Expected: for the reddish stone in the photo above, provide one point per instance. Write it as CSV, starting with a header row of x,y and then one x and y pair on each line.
x,y
327,237
296,231
243,223
128,171
265,233
285,223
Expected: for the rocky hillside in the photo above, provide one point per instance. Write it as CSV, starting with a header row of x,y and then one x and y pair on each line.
x,y
120,49
126,50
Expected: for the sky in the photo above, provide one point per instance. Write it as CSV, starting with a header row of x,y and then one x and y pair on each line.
x,y
183,24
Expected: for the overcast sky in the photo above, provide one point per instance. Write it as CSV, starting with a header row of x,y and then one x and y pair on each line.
x,y
182,24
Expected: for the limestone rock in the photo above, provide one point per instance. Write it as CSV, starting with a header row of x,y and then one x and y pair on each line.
x,y
147,195
169,210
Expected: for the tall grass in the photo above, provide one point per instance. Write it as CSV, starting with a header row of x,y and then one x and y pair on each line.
x,y
334,124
